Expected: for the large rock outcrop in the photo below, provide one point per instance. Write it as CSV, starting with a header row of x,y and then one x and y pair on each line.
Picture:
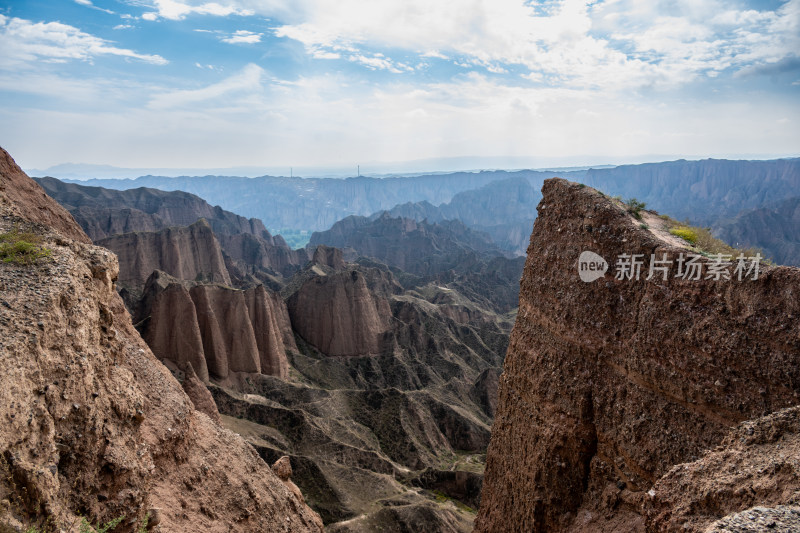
x,y
218,330
93,425
608,384
190,253
338,314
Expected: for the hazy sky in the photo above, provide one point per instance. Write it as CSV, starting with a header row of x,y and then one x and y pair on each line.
x,y
190,83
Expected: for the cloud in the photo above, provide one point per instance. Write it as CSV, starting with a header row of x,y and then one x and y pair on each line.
x,y
23,42
248,118
178,10
614,44
243,37
88,3
247,81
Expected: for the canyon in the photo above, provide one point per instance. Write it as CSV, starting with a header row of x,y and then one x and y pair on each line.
x,y
377,369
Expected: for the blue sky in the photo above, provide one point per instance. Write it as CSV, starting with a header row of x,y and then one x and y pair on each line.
x,y
192,83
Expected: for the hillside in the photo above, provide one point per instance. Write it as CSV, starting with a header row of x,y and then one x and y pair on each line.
x,y
95,427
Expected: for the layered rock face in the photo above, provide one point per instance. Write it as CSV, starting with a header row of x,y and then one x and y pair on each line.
x,y
190,253
415,247
254,252
608,384
447,252
339,315
215,329
93,425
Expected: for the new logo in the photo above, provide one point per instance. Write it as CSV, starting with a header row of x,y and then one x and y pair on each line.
x,y
591,266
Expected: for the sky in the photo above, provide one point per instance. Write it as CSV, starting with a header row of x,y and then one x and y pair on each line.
x,y
338,83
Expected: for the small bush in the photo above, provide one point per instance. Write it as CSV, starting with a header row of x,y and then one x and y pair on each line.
x,y
644,226
20,247
634,207
687,234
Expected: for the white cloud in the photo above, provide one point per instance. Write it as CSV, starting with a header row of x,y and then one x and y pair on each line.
x,y
23,41
248,118
616,43
88,3
243,37
247,81
177,10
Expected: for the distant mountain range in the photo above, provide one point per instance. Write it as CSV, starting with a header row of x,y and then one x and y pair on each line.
x,y
500,203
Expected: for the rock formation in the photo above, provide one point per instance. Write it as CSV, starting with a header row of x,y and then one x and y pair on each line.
x,y
339,315
607,385
756,464
415,247
257,252
447,253
328,256
504,209
265,309
93,425
190,253
215,329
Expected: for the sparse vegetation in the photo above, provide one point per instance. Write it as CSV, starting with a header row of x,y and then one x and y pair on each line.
x,y
635,207
702,240
687,234
22,247
644,226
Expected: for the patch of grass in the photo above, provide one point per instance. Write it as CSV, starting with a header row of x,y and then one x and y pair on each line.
x,y
22,247
705,243
687,234
644,226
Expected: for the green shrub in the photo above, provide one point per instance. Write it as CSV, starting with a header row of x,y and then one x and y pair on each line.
x,y
20,247
634,207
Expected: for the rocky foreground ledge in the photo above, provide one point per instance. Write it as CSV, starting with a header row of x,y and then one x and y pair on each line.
x,y
93,425
619,396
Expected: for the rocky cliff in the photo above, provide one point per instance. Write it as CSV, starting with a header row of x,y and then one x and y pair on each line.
x,y
446,252
105,212
504,209
191,253
337,313
774,228
218,330
608,384
93,425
